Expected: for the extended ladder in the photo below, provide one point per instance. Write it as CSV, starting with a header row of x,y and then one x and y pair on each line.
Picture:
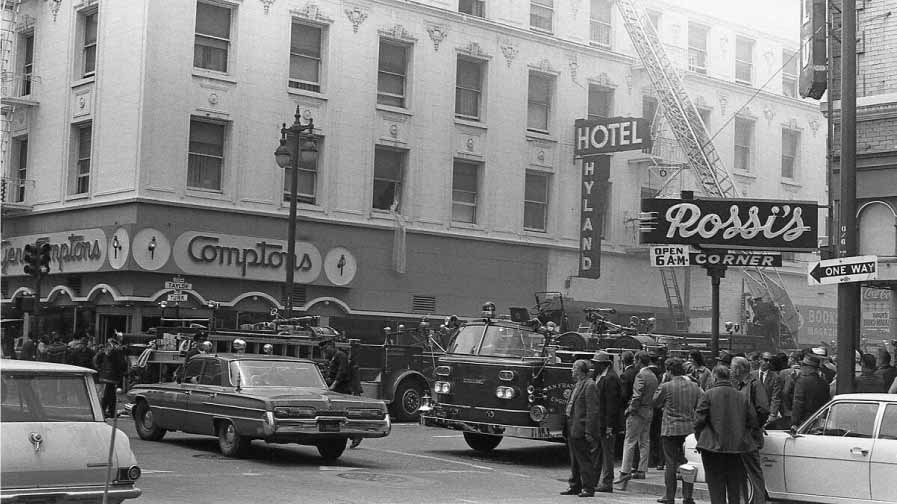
x,y
674,298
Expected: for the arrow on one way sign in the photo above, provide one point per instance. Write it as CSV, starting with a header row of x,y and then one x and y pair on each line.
x,y
843,270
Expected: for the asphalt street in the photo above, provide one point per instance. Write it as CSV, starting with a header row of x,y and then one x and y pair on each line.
x,y
414,464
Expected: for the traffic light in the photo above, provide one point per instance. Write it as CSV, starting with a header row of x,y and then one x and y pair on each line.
x,y
29,257
43,262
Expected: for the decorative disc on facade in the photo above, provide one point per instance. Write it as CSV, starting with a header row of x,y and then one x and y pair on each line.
x,y
340,266
119,248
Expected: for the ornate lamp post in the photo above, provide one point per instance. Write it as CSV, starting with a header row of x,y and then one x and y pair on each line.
x,y
297,144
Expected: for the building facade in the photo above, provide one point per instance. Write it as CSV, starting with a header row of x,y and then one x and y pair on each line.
x,y
139,140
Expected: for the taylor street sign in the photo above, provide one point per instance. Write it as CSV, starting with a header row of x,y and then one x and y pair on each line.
x,y
178,285
730,224
177,297
612,134
843,270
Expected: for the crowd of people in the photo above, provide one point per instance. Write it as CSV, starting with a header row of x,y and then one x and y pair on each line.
x,y
655,403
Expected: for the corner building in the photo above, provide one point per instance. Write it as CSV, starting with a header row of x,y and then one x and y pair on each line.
x,y
139,140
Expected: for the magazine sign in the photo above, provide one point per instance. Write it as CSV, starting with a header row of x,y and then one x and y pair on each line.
x,y
731,224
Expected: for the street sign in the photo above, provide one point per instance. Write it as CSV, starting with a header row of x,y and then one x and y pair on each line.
x,y
669,255
842,270
178,285
177,297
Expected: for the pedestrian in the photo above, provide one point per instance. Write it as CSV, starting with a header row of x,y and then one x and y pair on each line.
x,y
656,459
884,368
608,392
810,391
639,413
57,351
723,424
42,343
893,387
112,366
744,381
28,350
678,396
81,355
268,349
198,338
339,373
581,412
754,359
627,377
700,373
789,378
767,376
868,381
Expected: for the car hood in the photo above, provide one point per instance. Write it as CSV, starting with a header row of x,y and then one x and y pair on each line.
x,y
70,454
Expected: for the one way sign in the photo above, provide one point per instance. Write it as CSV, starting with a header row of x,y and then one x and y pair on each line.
x,y
843,270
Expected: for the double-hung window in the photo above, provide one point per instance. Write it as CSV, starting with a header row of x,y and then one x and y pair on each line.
x,y
392,74
649,109
305,57
469,88
541,15
744,60
473,7
538,114
535,201
21,168
83,137
600,27
601,102
206,159
697,48
212,43
389,167
465,177
27,64
89,45
306,185
790,149
744,141
790,62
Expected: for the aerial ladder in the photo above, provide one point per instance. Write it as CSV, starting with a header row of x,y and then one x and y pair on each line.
x,y
711,175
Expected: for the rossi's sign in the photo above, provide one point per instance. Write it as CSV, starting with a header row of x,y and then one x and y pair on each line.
x,y
734,224
614,134
595,173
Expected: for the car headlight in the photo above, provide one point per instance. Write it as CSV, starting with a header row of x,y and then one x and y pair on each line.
x,y
538,413
442,387
294,412
505,392
365,413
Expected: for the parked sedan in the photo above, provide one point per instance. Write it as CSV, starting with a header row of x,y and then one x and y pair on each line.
x,y
55,443
241,397
845,453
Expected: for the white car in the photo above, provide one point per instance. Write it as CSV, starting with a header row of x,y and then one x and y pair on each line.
x,y
845,453
55,443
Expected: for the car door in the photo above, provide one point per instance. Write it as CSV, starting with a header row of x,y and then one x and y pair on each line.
x,y
883,463
202,403
180,419
837,441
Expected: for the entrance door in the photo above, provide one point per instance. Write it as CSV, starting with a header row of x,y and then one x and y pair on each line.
x,y
111,323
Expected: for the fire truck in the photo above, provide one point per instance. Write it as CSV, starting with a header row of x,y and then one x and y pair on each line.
x,y
510,375
397,370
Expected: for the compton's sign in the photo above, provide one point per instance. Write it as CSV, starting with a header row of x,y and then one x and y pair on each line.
x,y
734,224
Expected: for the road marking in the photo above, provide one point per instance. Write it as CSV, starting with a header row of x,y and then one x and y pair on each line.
x,y
336,468
252,474
440,459
152,471
468,501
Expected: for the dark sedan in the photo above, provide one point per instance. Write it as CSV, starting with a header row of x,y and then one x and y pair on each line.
x,y
241,397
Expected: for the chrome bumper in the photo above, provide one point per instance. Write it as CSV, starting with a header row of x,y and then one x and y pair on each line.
x,y
543,433
63,495
364,428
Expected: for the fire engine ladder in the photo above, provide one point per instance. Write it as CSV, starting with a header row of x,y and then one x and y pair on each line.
x,y
674,299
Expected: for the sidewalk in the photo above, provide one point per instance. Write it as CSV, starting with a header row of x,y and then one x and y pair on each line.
x,y
653,485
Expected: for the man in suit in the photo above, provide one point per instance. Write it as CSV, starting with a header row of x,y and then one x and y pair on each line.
x,y
810,391
608,390
581,412
772,383
788,377
884,368
745,382
639,414
678,396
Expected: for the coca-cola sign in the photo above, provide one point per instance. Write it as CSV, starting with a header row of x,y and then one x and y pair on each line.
x,y
734,224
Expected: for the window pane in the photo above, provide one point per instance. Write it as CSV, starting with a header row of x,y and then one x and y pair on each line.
x,y
600,101
537,117
468,74
90,59
536,188
888,429
90,29
84,135
472,7
204,172
534,216
206,138
303,68
212,20
384,194
649,108
210,54
467,102
744,49
305,40
601,10
465,177
539,89
393,84
392,58
852,420
464,213
388,164
540,17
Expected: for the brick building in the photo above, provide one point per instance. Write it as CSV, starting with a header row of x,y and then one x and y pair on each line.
x,y
139,141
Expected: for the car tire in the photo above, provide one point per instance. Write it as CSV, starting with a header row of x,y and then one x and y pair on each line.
x,y
145,424
331,449
481,442
406,401
230,442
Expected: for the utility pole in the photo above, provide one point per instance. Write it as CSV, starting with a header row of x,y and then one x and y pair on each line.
x,y
848,293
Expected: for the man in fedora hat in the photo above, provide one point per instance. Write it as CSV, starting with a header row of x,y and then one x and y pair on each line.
x,y
810,391
609,391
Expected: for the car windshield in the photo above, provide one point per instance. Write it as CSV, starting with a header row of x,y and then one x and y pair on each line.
x,y
497,341
59,398
271,373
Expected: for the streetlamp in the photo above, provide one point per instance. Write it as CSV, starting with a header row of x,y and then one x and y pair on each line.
x,y
295,145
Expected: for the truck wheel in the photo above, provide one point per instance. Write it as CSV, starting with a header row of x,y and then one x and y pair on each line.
x,y
481,442
145,424
231,443
331,449
408,398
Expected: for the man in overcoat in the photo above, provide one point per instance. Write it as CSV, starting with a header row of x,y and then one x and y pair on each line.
x,y
581,411
608,391
810,391
678,396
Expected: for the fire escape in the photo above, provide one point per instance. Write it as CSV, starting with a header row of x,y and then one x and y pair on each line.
x,y
18,89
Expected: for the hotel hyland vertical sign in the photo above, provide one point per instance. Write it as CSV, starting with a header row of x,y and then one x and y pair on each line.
x,y
594,139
